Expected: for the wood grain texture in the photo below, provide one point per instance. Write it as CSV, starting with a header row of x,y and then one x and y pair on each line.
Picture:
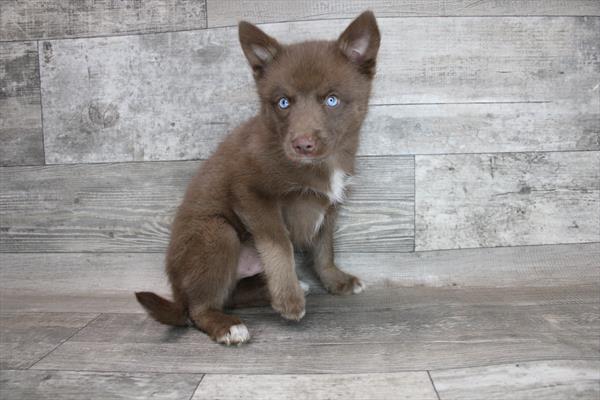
x,y
20,105
552,380
27,337
413,296
530,266
487,200
175,95
386,334
41,19
403,385
229,12
481,128
97,282
129,207
70,385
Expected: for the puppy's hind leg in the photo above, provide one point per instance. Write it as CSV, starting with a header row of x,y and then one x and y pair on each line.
x,y
222,328
254,292
214,255
250,292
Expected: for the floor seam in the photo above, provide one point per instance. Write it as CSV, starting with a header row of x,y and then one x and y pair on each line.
x,y
395,155
124,371
64,341
437,394
464,249
197,386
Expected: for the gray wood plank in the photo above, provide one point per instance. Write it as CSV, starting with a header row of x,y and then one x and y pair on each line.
x,y
20,105
529,266
96,282
552,380
67,385
481,128
403,385
135,102
487,200
82,274
125,303
129,207
229,12
40,19
27,337
387,335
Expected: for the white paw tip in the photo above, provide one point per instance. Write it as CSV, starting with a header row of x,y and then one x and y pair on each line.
x,y
237,335
358,287
305,287
301,315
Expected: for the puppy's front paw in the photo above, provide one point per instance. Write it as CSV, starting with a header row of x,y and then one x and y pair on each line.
x,y
305,287
337,281
290,303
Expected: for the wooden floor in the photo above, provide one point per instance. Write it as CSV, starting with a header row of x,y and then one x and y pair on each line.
x,y
413,343
473,219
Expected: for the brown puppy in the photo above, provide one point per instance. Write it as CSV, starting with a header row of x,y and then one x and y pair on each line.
x,y
273,184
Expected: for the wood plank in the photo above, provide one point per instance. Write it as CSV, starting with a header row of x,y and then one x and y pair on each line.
x,y
20,105
414,385
507,199
229,12
412,297
67,385
552,380
129,207
27,337
42,19
134,99
481,128
530,266
96,282
387,335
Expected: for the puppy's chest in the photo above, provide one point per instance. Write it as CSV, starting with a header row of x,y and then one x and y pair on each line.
x,y
304,212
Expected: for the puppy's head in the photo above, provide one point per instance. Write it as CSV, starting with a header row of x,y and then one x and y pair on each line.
x,y
314,95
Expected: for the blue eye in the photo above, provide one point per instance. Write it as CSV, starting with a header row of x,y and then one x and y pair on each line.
x,y
332,101
283,103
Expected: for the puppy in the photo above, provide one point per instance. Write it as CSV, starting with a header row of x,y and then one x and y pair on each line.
x,y
274,184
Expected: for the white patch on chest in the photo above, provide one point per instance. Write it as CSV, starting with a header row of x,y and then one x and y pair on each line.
x,y
337,185
318,222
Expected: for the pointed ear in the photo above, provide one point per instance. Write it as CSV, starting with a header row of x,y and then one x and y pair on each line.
x,y
360,42
259,48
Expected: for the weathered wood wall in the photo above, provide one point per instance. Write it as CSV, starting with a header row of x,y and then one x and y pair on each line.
x,y
483,131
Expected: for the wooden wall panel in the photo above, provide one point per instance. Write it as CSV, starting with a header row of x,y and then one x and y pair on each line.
x,y
174,95
43,19
20,106
487,200
229,12
481,128
129,207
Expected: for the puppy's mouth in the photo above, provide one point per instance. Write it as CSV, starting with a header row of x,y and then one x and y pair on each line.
x,y
298,158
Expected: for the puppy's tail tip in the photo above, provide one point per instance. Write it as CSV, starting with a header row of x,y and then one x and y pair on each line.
x,y
163,310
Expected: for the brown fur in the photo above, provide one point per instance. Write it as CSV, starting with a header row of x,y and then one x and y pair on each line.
x,y
258,190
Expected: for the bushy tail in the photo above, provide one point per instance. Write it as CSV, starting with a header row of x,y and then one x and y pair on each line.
x,y
162,310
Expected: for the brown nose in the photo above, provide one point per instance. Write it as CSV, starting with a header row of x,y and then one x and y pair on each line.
x,y
304,145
